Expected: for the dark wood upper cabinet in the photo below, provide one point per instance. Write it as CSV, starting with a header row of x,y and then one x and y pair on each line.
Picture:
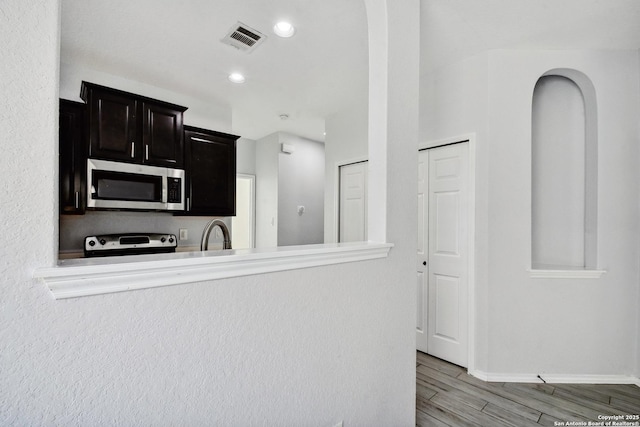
x,y
72,157
121,126
210,165
162,137
132,128
112,126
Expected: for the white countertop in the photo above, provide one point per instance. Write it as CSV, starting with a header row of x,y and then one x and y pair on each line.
x,y
74,277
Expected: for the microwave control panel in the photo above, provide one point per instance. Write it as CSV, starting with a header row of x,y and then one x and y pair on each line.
x,y
174,190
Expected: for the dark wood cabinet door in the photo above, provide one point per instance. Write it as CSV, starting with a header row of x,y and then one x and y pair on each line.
x,y
162,137
132,128
72,157
211,172
113,127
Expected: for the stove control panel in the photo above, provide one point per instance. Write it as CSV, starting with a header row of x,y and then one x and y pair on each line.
x,y
129,244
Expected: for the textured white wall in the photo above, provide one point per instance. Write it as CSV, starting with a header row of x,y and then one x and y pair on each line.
x,y
29,87
541,326
305,347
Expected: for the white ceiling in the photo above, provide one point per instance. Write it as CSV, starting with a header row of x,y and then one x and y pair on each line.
x,y
323,68
455,29
175,45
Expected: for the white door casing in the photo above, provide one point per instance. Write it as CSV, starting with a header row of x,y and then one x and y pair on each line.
x,y
353,202
423,252
443,281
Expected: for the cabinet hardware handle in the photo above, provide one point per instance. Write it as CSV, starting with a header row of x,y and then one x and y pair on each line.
x,y
424,263
146,152
77,200
195,138
133,149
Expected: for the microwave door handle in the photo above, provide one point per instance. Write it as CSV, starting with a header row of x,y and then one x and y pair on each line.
x,y
165,185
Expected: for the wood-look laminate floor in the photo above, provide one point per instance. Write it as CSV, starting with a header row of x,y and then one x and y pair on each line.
x,y
448,396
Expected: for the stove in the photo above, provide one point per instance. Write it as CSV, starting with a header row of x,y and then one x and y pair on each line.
x,y
129,244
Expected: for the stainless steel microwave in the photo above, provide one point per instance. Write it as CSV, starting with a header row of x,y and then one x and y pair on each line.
x,y
117,185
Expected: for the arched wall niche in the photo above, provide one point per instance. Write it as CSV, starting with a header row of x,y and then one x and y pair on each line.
x,y
564,169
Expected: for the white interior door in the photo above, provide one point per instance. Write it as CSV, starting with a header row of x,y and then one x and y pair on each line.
x,y
243,224
353,202
445,231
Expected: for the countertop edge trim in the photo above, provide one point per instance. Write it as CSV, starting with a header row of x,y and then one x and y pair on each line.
x,y
71,281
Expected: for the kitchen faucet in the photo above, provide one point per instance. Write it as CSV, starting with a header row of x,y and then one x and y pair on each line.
x,y
204,244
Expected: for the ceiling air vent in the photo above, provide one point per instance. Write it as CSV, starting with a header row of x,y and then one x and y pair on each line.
x,y
243,37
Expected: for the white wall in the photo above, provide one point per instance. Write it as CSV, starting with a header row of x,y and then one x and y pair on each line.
x,y
345,141
538,326
453,102
284,182
547,317
301,183
637,372
200,113
306,347
246,156
267,150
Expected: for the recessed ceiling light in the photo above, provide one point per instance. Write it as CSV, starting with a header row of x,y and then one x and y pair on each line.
x,y
284,29
236,78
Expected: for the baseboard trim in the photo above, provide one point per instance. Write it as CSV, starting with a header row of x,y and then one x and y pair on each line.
x,y
555,378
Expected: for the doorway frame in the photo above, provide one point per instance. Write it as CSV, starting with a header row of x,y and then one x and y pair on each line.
x,y
469,138
252,211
